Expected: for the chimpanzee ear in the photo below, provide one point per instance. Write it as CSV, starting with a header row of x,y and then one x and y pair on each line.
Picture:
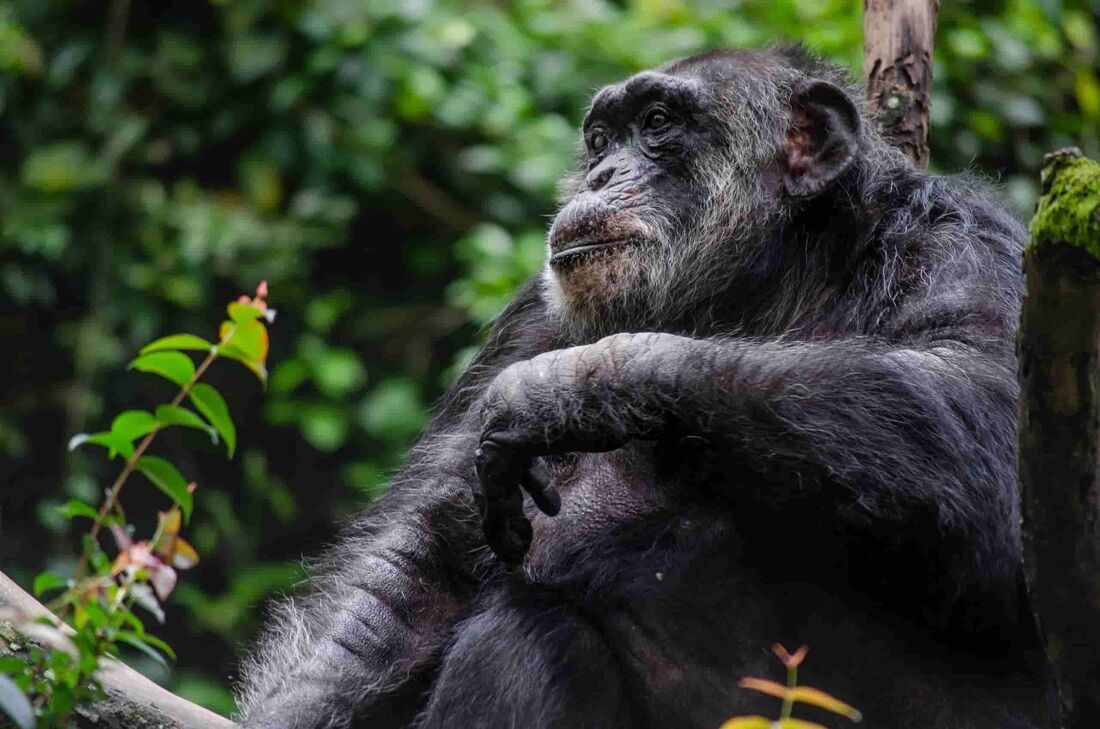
x,y
822,139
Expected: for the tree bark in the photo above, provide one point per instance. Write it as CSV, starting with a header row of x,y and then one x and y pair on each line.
x,y
898,37
133,701
1059,429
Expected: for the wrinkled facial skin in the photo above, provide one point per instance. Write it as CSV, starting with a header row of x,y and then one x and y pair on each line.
x,y
612,248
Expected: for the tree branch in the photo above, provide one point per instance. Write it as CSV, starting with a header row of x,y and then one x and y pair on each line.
x,y
898,36
133,701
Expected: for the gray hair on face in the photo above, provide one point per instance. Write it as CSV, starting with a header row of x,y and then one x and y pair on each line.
x,y
687,259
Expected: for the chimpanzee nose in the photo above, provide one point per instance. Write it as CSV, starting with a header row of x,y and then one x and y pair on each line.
x,y
600,176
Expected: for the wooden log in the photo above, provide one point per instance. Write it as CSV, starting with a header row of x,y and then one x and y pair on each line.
x,y
898,38
133,701
1059,429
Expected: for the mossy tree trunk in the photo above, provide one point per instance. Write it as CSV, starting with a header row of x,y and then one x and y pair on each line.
x,y
1059,429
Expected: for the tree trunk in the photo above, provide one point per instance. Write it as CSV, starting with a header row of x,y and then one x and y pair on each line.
x,y
1059,429
898,37
133,701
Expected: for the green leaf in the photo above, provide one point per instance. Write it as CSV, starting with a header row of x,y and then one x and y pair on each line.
x,y
324,426
158,644
62,701
133,424
97,616
45,581
110,441
127,617
89,661
95,555
173,366
393,410
230,351
243,313
338,371
169,480
175,415
60,167
12,665
178,341
76,508
210,403
15,704
249,338
134,640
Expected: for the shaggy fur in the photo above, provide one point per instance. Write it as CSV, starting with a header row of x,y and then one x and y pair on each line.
x,y
800,429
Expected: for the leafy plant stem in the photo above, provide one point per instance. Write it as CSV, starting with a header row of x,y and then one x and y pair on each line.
x,y
116,488
788,700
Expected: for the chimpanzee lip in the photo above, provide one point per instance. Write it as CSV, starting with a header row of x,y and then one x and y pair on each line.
x,y
584,247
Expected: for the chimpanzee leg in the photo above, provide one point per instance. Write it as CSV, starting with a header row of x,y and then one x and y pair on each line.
x,y
528,659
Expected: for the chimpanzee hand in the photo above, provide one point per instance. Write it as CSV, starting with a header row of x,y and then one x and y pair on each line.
x,y
591,398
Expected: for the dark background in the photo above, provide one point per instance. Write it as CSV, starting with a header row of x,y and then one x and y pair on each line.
x,y
388,166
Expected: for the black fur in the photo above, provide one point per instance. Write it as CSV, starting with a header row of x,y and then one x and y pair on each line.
x,y
814,442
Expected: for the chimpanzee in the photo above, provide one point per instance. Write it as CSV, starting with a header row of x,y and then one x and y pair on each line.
x,y
763,391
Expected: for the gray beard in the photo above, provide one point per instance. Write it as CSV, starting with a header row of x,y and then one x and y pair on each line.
x,y
655,287
673,281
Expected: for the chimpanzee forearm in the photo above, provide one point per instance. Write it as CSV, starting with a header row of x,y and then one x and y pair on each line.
x,y
903,430
379,608
360,646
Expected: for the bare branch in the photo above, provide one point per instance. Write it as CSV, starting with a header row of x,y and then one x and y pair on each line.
x,y
898,37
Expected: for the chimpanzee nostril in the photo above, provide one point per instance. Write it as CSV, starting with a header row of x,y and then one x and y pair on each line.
x,y
599,177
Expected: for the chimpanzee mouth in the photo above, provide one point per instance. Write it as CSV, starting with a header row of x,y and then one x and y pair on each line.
x,y
585,249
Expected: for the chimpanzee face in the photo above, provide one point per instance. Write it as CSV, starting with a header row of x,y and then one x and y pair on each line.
x,y
685,169
639,185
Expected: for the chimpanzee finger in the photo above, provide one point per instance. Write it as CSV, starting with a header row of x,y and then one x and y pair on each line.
x,y
536,482
499,471
509,536
495,467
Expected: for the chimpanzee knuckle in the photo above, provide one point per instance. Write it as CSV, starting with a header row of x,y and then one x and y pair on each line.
x,y
622,345
544,367
497,412
584,363
612,342
543,372
508,385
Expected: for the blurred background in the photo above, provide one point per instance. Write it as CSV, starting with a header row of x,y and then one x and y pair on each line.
x,y
388,166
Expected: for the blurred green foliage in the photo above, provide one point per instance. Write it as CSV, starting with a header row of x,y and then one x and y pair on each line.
x,y
388,165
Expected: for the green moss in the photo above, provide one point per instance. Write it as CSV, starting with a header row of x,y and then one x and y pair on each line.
x,y
1069,209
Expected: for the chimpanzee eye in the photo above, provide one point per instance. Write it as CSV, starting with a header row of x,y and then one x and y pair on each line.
x,y
656,120
597,141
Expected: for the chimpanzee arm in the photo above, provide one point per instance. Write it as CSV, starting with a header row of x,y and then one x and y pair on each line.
x,y
359,645
899,430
